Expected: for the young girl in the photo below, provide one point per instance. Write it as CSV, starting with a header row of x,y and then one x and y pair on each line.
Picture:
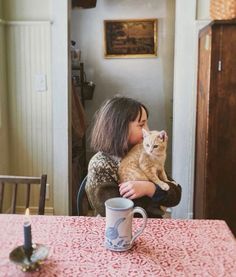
x,y
117,128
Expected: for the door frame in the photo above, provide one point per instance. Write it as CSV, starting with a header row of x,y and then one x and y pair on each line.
x,y
184,102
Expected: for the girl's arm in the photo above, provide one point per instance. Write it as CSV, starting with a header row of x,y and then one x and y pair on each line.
x,y
138,189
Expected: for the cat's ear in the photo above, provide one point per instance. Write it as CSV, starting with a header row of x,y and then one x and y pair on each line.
x,y
163,135
145,133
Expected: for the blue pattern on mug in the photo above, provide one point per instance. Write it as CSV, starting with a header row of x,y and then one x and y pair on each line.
x,y
112,232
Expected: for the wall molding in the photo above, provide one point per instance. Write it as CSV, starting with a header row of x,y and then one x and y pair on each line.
x,y
9,22
34,210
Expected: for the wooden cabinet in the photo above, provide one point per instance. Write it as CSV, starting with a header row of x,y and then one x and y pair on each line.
x,y
215,156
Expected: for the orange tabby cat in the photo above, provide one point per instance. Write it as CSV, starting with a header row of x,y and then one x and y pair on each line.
x,y
146,161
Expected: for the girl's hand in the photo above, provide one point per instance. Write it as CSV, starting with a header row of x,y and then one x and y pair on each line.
x,y
136,189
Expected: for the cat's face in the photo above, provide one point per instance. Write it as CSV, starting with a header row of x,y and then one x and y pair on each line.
x,y
154,142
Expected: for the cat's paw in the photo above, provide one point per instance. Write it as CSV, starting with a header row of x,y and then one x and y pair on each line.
x,y
173,182
164,186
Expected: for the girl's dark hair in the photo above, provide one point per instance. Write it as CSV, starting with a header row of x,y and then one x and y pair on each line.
x,y
111,126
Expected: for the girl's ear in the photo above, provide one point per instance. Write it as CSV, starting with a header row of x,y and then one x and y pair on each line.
x,y
145,132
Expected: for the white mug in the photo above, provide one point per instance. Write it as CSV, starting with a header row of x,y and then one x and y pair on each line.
x,y
119,215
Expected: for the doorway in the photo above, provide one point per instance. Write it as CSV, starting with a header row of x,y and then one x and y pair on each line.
x,y
149,80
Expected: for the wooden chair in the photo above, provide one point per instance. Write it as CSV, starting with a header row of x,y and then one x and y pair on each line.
x,y
28,181
80,198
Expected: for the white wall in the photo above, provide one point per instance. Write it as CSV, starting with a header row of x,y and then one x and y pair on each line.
x,y
203,9
148,79
26,9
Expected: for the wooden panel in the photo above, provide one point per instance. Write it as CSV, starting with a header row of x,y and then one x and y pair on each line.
x,y
202,124
222,131
30,112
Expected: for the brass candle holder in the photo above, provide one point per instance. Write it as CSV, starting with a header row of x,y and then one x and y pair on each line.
x,y
29,260
29,256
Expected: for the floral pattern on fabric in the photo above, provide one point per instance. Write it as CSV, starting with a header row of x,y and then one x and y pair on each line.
x,y
166,248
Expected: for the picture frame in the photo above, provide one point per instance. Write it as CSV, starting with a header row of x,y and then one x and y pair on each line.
x,y
130,38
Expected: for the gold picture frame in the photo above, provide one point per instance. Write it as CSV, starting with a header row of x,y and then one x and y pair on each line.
x,y
130,38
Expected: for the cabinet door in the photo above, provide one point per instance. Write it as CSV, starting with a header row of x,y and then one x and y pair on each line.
x,y
204,62
221,191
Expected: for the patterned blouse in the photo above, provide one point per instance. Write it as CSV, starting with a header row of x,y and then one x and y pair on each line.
x,y
102,184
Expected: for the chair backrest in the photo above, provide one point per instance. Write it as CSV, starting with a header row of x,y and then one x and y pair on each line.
x,y
80,197
14,181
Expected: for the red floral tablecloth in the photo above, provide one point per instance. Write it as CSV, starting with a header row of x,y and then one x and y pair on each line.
x,y
166,248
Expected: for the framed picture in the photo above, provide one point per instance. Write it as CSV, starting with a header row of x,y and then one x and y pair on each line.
x,y
132,38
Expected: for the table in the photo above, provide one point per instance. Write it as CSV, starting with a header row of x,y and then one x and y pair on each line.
x,y
167,247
